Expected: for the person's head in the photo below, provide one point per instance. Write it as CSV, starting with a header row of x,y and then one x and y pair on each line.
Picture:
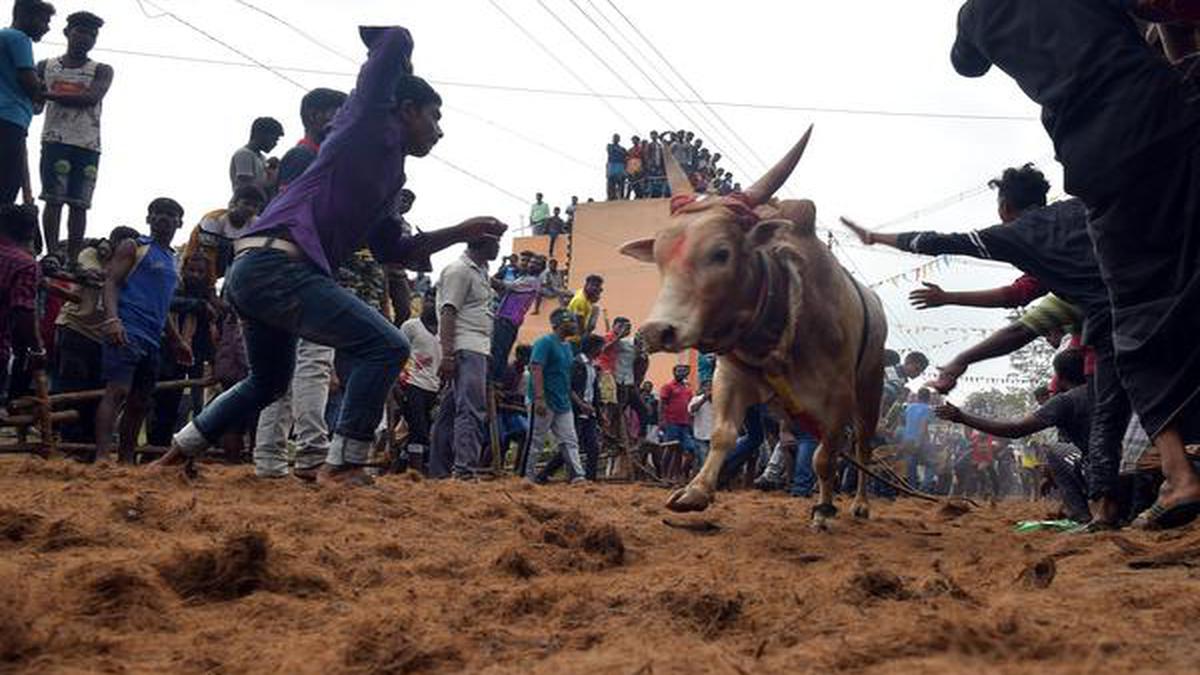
x,y
537,199
737,187
484,249
622,325
82,30
419,108
681,372
699,143
1041,394
716,157
636,140
164,216
120,233
591,346
535,265
557,210
18,223
429,313
406,201
616,138
265,133
923,395
248,201
562,321
523,353
1069,367
654,136
317,110
593,287
891,358
195,272
647,387
688,136
553,264
1018,190
915,363
32,18
574,199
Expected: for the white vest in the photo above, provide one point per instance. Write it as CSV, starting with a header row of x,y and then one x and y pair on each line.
x,y
79,127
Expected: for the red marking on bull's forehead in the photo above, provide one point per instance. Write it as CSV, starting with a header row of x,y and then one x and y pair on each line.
x,y
677,255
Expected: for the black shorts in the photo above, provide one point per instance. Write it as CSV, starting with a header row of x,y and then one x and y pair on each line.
x,y
12,161
68,174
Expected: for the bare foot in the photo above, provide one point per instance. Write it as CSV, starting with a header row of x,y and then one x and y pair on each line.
x,y
174,462
309,475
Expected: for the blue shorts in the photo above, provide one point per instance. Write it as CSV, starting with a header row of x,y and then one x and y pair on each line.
x,y
134,364
681,434
616,170
68,174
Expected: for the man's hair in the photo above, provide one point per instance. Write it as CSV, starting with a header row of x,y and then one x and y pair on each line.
x,y
918,358
165,205
591,344
524,353
85,20
265,126
558,316
593,279
923,395
320,99
26,8
1068,365
19,222
417,90
249,192
1022,188
891,357
622,319
122,232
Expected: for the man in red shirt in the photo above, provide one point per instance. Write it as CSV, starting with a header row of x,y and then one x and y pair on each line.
x,y
674,419
20,278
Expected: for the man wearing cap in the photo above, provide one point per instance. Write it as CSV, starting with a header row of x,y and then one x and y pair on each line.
x,y
281,280
465,302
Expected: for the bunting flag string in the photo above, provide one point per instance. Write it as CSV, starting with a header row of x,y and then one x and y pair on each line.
x,y
916,274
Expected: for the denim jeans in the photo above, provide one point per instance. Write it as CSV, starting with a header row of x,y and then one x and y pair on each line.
x,y
748,444
280,300
804,481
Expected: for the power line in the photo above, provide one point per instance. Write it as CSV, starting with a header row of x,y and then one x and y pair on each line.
x,y
654,83
297,30
518,89
604,63
481,179
688,84
562,64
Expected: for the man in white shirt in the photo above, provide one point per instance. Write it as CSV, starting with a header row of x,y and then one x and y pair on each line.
x,y
465,303
420,385
701,408
249,165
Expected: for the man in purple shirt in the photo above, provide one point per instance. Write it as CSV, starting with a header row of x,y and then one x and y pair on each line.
x,y
281,282
518,296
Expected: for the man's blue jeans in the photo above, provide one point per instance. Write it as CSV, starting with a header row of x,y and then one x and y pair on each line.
x,y
748,444
281,299
804,481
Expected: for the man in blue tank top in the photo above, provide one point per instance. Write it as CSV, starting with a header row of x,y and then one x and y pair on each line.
x,y
137,298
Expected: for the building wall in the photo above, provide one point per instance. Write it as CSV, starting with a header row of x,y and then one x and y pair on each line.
x,y
630,287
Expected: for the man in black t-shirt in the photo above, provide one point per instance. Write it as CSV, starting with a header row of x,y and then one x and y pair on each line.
x,y
1126,127
1070,412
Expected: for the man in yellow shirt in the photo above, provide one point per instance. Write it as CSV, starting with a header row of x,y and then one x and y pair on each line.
x,y
584,304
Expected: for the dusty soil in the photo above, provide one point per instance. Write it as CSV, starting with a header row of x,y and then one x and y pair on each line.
x,y
107,570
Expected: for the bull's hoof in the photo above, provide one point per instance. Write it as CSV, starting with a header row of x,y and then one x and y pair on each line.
x,y
688,499
822,516
860,510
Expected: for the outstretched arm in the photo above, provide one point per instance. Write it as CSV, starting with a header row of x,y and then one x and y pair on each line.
x,y
1001,343
390,245
1017,294
1020,428
924,243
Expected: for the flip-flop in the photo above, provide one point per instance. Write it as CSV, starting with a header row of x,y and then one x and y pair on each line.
x,y
1159,517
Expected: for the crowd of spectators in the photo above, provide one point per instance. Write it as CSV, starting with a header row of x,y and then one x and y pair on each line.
x,y
640,170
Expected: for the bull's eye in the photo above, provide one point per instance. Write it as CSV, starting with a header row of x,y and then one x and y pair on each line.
x,y
720,256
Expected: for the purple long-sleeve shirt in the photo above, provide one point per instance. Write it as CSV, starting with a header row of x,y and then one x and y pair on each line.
x,y
342,201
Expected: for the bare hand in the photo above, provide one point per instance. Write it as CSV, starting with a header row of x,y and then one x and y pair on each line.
x,y
948,412
864,235
929,297
482,226
114,332
447,370
540,409
947,378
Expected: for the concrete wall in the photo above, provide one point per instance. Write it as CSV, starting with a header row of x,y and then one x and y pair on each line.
x,y
630,287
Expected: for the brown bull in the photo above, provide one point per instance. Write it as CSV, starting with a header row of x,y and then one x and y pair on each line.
x,y
747,277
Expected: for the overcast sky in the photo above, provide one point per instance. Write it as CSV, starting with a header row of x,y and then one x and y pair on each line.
x,y
170,126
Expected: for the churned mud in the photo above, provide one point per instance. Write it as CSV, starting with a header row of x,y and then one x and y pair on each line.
x,y
105,569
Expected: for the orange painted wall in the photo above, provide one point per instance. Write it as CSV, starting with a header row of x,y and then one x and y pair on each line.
x,y
630,287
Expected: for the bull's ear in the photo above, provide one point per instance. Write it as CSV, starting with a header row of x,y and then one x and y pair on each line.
x,y
765,231
639,249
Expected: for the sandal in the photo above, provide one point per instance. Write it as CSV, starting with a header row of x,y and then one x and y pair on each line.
x,y
1159,517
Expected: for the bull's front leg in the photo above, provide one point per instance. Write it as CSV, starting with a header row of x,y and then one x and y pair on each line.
x,y
733,393
825,465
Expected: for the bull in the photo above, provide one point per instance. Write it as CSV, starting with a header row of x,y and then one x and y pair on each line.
x,y
746,277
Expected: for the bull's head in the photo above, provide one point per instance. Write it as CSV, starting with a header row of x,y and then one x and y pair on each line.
x,y
706,258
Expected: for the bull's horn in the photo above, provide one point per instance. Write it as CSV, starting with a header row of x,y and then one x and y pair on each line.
x,y
769,184
676,178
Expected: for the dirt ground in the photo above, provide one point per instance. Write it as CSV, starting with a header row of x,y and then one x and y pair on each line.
x,y
106,570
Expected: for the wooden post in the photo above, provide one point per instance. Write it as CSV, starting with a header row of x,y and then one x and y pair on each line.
x,y
494,429
45,420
